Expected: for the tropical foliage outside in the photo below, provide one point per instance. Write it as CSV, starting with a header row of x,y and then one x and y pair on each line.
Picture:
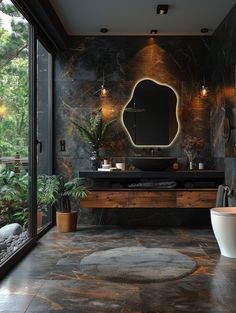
x,y
14,130
13,81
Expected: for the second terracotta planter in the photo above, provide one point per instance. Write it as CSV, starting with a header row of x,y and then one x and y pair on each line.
x,y
66,222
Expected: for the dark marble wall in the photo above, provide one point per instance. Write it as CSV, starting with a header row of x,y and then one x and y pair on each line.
x,y
178,61
223,73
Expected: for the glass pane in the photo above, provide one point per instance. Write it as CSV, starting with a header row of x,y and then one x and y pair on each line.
x,y
14,130
44,134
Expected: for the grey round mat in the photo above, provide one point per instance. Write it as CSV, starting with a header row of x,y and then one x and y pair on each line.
x,y
138,264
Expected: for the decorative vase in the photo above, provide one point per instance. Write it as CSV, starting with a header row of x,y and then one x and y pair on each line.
x,y
191,166
191,155
94,158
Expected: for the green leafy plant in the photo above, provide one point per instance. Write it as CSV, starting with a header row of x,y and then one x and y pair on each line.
x,y
13,197
22,217
72,189
93,129
47,191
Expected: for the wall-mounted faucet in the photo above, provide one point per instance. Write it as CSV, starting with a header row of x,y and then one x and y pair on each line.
x,y
153,151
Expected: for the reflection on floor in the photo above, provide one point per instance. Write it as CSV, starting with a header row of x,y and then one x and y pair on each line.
x,y
49,278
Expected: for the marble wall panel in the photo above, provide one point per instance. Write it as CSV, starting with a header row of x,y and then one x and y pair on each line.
x,y
178,61
223,60
223,93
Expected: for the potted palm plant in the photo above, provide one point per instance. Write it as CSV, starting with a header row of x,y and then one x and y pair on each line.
x,y
66,219
93,130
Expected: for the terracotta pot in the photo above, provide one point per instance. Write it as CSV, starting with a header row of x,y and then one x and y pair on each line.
x,y
39,219
66,222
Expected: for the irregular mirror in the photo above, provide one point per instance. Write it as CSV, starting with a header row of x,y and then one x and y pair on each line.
x,y
150,117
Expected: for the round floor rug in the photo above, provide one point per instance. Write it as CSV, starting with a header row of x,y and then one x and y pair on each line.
x,y
138,264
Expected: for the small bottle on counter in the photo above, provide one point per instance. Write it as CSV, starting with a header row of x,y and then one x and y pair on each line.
x,y
191,166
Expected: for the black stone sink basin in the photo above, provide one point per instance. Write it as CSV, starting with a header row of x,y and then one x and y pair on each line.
x,y
152,163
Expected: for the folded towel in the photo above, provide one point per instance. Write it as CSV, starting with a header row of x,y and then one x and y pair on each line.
x,y
154,184
223,194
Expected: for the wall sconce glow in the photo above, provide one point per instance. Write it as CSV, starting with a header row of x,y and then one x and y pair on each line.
x,y
150,116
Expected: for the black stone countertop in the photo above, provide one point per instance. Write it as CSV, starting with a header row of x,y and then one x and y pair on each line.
x,y
202,174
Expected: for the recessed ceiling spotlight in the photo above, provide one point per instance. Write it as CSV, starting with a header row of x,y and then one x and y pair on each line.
x,y
162,9
204,30
104,30
153,31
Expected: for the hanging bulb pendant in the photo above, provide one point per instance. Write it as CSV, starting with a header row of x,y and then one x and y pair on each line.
x,y
204,91
103,91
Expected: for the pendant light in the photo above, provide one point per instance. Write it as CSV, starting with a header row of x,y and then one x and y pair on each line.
x,y
204,89
103,91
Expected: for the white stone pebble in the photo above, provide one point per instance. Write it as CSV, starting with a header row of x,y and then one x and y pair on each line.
x,y
11,244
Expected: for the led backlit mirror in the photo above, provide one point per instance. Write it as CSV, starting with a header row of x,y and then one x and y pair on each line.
x,y
151,115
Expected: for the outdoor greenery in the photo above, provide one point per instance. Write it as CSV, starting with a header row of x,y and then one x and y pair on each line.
x,y
13,84
13,197
50,190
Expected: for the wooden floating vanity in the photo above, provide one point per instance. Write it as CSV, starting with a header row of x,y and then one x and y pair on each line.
x,y
194,189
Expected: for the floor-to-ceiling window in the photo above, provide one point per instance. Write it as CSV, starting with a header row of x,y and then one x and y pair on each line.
x,y
26,91
14,131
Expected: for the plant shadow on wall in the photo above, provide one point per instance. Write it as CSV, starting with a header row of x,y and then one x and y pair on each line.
x,y
93,129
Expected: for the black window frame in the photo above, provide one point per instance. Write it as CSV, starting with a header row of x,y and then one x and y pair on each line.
x,y
35,33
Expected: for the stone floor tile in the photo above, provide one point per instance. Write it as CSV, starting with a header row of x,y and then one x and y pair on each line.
x,y
49,278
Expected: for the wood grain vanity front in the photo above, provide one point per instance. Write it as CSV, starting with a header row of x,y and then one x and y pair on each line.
x,y
196,199
124,196
150,199
105,199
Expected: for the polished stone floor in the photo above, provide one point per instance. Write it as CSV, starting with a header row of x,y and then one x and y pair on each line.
x,y
49,278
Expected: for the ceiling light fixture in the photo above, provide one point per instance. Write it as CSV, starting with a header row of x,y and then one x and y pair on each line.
x,y
204,30
162,9
103,30
153,31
